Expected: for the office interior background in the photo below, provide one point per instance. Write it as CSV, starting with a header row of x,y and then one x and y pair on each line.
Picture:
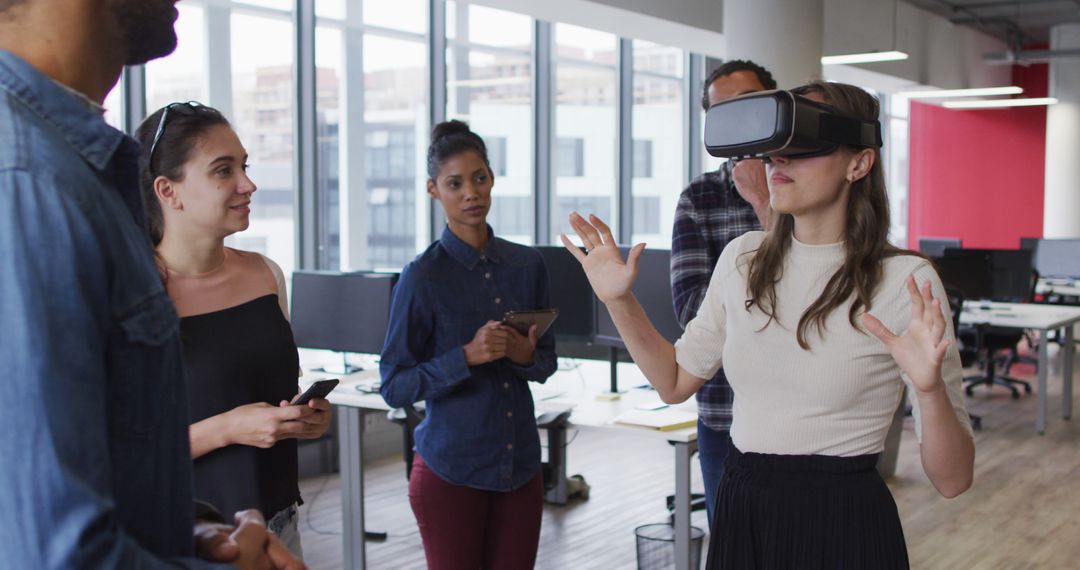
x,y
593,106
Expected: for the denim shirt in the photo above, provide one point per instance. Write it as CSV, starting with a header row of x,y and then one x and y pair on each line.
x,y
480,428
96,463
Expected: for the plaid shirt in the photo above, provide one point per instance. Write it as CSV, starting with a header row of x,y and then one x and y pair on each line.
x,y
710,214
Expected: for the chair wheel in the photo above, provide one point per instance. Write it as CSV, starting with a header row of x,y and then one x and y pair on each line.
x,y
1027,388
970,391
976,424
1015,394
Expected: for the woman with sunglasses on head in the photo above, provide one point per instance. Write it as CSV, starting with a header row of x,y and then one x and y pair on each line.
x,y
789,313
238,348
475,486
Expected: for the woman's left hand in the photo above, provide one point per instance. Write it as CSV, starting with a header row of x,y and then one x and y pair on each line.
x,y
920,351
315,425
520,348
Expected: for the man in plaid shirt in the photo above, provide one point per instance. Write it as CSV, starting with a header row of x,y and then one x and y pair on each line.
x,y
714,209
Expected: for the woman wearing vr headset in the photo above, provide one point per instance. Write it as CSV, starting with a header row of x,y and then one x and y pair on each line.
x,y
818,323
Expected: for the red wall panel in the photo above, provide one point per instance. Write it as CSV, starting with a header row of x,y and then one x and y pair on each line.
x,y
979,174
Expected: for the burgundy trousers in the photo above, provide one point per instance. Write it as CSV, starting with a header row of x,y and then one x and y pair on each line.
x,y
469,529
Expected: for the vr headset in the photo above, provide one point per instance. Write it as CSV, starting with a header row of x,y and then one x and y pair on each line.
x,y
781,123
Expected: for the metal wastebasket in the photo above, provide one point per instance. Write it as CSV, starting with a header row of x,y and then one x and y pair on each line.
x,y
656,546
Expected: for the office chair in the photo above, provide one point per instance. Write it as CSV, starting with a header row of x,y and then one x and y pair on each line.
x,y
995,340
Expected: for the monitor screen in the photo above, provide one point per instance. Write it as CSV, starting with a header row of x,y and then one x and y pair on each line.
x,y
571,294
1058,258
345,312
996,274
653,290
935,247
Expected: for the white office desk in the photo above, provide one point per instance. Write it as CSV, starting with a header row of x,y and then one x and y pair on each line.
x,y
1042,318
570,388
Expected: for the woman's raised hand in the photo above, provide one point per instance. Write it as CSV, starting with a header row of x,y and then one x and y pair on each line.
x,y
611,278
920,351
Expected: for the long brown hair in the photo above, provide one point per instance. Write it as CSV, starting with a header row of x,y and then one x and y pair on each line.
x,y
865,234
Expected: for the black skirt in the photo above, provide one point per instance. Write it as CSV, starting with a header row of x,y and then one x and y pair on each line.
x,y
805,512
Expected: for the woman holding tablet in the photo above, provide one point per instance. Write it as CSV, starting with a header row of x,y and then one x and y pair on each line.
x,y
818,323
475,487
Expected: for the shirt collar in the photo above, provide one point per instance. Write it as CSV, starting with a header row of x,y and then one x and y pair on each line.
x,y
465,254
79,124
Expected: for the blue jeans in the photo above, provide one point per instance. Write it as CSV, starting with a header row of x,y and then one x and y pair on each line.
x,y
712,452
285,524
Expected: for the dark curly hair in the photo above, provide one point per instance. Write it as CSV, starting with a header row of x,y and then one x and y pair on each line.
x,y
729,67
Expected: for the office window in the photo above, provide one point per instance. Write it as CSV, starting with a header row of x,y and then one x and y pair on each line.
x,y
489,86
496,150
330,9
263,105
330,124
896,166
371,107
647,217
181,76
396,139
114,111
570,157
585,110
659,150
600,205
402,15
642,160
709,163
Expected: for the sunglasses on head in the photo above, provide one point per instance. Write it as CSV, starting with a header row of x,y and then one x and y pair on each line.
x,y
185,108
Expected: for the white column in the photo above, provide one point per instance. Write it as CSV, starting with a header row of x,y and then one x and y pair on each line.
x,y
352,189
1061,209
784,36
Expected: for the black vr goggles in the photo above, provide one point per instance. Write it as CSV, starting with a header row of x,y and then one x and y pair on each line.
x,y
782,123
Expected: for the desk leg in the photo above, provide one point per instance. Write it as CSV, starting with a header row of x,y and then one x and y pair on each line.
x,y
351,441
682,504
1044,367
1067,372
558,494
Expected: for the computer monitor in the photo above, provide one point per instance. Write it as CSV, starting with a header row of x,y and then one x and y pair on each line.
x,y
1058,258
343,312
995,274
935,246
571,294
653,290
970,273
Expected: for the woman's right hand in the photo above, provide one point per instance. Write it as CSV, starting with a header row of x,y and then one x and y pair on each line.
x,y
611,278
488,344
263,425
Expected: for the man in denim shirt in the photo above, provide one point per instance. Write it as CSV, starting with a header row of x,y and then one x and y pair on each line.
x,y
97,466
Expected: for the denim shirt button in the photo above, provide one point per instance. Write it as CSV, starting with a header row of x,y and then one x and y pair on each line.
x,y
506,385
487,275
509,414
498,300
509,447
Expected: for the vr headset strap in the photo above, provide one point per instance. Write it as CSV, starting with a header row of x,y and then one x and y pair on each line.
x,y
848,131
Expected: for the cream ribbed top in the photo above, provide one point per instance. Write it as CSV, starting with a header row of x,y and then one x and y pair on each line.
x,y
836,399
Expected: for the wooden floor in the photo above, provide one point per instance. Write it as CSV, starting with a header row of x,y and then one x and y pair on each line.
x,y
1022,512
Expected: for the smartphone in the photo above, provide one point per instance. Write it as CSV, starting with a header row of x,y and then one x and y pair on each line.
x,y
320,389
522,320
